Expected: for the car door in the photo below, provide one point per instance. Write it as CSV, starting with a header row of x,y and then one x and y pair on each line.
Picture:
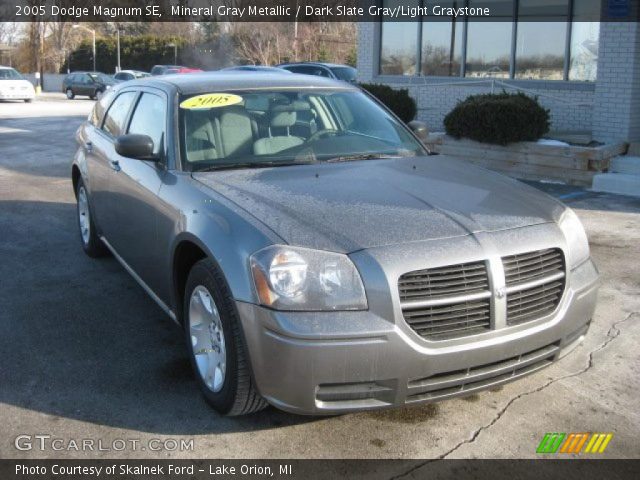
x,y
133,191
92,143
100,158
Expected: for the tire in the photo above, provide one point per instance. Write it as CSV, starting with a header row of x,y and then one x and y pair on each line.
x,y
70,94
91,243
209,312
28,100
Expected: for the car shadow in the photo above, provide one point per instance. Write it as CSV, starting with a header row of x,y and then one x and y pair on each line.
x,y
81,340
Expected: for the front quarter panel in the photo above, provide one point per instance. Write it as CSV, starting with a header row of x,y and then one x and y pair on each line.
x,y
189,211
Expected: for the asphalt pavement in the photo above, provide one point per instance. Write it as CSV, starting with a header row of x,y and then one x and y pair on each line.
x,y
86,354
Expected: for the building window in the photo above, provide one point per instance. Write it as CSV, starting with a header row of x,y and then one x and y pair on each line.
x,y
399,43
504,49
441,53
585,37
541,39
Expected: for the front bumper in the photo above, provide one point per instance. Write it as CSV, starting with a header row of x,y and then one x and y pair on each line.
x,y
328,363
17,95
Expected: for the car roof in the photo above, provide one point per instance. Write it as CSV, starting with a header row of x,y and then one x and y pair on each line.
x,y
193,83
331,65
6,67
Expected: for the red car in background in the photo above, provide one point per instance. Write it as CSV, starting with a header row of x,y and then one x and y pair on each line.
x,y
182,70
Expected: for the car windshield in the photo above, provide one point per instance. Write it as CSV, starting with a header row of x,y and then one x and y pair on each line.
x,y
9,74
249,129
100,77
348,74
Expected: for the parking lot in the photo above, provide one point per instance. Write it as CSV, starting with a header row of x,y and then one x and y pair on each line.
x,y
87,354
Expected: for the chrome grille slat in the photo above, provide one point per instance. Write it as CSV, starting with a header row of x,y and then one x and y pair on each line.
x,y
535,284
454,301
446,302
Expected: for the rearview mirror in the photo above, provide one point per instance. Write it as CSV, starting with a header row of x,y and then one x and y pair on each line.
x,y
135,146
420,129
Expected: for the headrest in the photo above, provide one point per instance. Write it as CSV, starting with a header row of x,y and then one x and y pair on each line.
x,y
283,119
284,114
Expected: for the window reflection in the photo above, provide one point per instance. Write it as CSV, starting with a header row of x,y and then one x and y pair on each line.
x,y
399,43
488,49
541,60
540,45
442,44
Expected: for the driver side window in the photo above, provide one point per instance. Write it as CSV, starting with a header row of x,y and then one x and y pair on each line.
x,y
114,120
149,118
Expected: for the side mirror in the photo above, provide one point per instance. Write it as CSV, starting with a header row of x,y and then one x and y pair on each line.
x,y
135,146
420,129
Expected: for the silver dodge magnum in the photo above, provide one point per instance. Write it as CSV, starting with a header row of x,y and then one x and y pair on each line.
x,y
316,255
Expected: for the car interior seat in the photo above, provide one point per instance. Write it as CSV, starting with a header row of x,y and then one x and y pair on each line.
x,y
201,141
283,117
235,131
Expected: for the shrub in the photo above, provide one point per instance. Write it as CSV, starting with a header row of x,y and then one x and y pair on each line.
x,y
498,118
398,101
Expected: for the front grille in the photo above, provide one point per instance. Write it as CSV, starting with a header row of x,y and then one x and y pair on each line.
x,y
444,281
446,302
455,300
480,377
535,283
526,267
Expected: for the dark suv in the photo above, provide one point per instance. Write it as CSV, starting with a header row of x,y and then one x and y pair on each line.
x,y
91,84
328,70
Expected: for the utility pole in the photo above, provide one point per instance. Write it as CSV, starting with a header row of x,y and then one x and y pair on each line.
x,y
118,35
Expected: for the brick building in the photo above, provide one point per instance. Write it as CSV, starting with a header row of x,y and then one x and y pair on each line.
x,y
586,72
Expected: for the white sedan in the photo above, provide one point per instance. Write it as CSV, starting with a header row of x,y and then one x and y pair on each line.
x,y
13,86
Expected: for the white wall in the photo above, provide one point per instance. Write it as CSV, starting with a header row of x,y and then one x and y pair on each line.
x,y
52,81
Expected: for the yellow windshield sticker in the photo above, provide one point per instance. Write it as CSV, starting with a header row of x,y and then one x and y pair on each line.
x,y
211,100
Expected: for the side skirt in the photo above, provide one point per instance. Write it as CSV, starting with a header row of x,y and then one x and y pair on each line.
x,y
146,287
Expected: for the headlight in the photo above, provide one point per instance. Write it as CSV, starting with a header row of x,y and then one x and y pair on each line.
x,y
576,238
291,278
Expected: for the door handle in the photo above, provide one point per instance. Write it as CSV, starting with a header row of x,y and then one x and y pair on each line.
x,y
88,147
115,164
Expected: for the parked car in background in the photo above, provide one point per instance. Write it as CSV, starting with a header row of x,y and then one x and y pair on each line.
x,y
255,68
126,75
316,256
90,84
162,69
14,86
171,71
329,70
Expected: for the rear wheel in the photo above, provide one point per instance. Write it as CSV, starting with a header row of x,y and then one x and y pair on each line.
x,y
91,243
70,94
28,100
215,343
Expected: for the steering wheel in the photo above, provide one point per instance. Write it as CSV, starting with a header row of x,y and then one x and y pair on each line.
x,y
325,132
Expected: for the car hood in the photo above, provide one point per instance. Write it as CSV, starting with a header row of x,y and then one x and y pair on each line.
x,y
350,206
15,84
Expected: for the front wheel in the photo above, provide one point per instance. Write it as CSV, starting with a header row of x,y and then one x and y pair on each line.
x,y
70,94
215,344
91,243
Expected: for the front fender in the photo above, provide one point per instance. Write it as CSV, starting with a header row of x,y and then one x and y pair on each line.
x,y
223,231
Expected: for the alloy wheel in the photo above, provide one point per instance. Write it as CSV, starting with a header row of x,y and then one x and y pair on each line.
x,y
207,338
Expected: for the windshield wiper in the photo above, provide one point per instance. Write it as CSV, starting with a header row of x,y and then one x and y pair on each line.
x,y
245,165
361,156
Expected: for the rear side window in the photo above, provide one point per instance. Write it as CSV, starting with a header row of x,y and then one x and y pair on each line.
x,y
117,114
149,118
99,108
